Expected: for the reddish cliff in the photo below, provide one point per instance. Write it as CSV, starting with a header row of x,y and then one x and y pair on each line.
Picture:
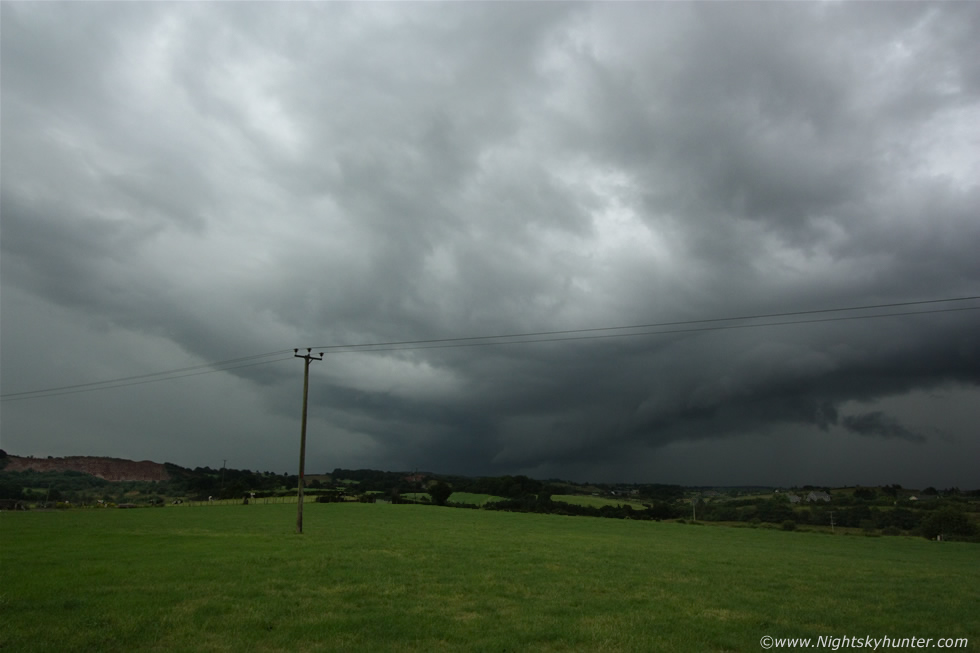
x,y
111,469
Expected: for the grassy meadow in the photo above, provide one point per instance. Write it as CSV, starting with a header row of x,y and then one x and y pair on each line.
x,y
456,497
594,502
473,498
378,577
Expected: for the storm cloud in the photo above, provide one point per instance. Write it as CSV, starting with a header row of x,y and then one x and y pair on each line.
x,y
191,183
876,423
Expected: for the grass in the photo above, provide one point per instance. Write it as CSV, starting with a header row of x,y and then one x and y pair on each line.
x,y
473,497
595,502
378,577
456,497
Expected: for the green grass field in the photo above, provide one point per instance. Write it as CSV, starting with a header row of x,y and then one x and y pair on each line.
x,y
473,497
455,497
594,502
378,577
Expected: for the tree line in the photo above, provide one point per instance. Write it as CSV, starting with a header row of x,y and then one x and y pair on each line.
x,y
950,514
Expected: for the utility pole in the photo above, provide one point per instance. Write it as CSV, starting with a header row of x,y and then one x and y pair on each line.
x,y
307,358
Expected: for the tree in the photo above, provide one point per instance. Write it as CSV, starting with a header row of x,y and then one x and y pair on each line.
x,y
865,493
10,489
948,523
440,493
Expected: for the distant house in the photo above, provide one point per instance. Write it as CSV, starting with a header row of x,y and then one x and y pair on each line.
x,y
793,498
415,478
622,492
817,496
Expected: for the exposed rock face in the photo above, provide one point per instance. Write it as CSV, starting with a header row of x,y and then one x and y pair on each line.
x,y
111,469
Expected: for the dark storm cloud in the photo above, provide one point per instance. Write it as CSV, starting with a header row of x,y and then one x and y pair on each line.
x,y
198,182
876,423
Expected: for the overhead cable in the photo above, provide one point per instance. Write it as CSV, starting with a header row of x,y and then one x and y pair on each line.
x,y
565,335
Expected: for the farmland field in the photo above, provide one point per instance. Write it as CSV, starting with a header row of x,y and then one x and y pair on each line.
x,y
472,497
378,577
455,497
594,502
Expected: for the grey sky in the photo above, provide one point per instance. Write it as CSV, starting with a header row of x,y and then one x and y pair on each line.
x,y
185,183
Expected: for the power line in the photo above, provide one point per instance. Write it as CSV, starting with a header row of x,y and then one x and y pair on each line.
x,y
648,333
155,377
505,339
652,325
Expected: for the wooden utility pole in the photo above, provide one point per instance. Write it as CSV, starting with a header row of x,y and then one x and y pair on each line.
x,y
308,358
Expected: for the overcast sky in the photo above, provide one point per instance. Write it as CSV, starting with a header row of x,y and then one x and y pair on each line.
x,y
192,183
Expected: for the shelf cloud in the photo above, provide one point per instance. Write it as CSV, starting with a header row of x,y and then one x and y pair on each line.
x,y
188,183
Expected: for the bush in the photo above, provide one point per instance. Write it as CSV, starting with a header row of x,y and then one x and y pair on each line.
x,y
948,523
789,525
10,489
440,493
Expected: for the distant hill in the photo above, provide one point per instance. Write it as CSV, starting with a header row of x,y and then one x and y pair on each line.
x,y
111,469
